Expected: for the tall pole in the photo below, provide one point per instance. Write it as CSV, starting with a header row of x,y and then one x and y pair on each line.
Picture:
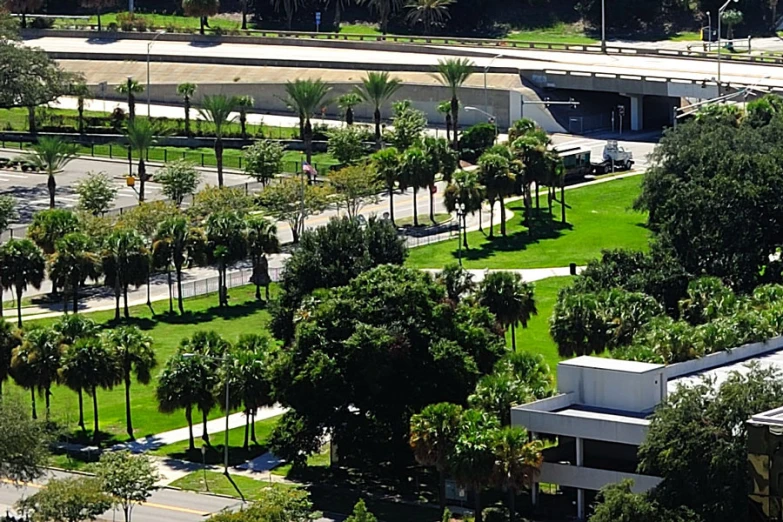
x,y
720,90
603,26
225,449
709,29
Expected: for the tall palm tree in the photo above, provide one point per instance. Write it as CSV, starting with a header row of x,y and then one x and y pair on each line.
x,y
433,434
187,90
24,265
244,103
133,350
73,328
510,299
51,155
306,97
384,8
225,246
441,159
472,461
289,7
203,9
497,393
376,89
413,174
428,13
10,338
125,262
464,190
180,386
23,372
453,73
141,135
517,461
218,110
499,180
261,237
182,242
387,165
130,88
89,364
39,358
444,108
74,261
347,102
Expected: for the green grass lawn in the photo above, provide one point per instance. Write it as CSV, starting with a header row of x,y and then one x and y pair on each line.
x,y
219,484
319,460
424,220
600,218
154,21
214,453
245,315
559,33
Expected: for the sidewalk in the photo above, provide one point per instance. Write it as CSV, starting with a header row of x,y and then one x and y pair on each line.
x,y
528,274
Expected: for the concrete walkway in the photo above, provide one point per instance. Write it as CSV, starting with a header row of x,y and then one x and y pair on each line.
x,y
529,274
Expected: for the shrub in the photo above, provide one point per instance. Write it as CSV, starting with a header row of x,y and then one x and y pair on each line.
x,y
495,514
42,23
476,140
140,24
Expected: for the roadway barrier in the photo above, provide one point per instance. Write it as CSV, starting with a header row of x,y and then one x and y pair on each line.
x,y
399,43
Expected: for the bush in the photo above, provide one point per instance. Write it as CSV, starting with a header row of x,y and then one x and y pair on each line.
x,y
495,514
475,141
140,24
42,23
125,20
112,27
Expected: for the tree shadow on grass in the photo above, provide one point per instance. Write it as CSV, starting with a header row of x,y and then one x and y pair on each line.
x,y
214,454
192,317
542,227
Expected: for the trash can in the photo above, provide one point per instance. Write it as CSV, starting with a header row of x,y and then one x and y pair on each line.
x,y
572,268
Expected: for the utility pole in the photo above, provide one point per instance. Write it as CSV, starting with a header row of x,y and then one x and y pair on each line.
x,y
603,26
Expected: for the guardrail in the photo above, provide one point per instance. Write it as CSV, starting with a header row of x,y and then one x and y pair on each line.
x,y
411,43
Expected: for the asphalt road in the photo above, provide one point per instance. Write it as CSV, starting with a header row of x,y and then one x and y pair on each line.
x,y
625,64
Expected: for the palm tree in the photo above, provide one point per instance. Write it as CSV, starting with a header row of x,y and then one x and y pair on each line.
x,y
23,372
89,364
497,393
261,237
99,6
180,385
453,73
428,12
225,246
339,5
348,101
464,190
530,369
182,242
203,9
141,138
133,350
509,298
290,7
82,92
23,265
125,263
10,338
51,155
413,174
731,18
217,109
39,359
376,89
433,434
497,177
457,281
517,461
74,261
440,160
444,108
387,165
306,97
71,329
384,8
24,7
243,104
130,88
187,90
472,461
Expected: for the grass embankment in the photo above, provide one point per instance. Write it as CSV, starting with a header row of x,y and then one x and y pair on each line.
x,y
245,315
600,218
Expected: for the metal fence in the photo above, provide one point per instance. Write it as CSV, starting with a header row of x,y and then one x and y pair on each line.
x,y
209,285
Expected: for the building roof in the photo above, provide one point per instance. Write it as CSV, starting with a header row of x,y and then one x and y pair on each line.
x,y
604,363
721,373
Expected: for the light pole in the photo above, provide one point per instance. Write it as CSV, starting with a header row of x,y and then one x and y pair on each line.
x,y
709,29
720,45
149,47
460,216
603,26
492,118
486,70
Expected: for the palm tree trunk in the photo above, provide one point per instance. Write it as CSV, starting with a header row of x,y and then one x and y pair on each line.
x,y
205,434
432,205
19,306
415,208
128,418
47,399
31,124
492,219
24,19
187,116
514,337
253,426
512,505
377,117
171,290
126,312
81,410
247,428
75,287
179,289
308,139
455,121
219,159
266,292
81,114
142,176
562,203
243,124
32,397
465,231
538,203
502,216
244,15
478,516
337,15
189,418
391,205
201,24
349,116
51,184
442,491
1,301
98,14
289,12
95,429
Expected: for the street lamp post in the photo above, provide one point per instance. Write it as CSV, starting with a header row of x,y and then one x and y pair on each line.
x,y
720,45
603,26
460,216
486,70
149,48
491,117
709,29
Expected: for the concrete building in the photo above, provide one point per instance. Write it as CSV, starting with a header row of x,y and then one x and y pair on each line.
x,y
600,415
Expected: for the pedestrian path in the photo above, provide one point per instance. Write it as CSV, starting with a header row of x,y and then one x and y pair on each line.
x,y
528,274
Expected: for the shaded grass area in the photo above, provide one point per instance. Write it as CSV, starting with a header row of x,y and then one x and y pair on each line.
x,y
246,315
319,460
600,218
218,483
214,451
